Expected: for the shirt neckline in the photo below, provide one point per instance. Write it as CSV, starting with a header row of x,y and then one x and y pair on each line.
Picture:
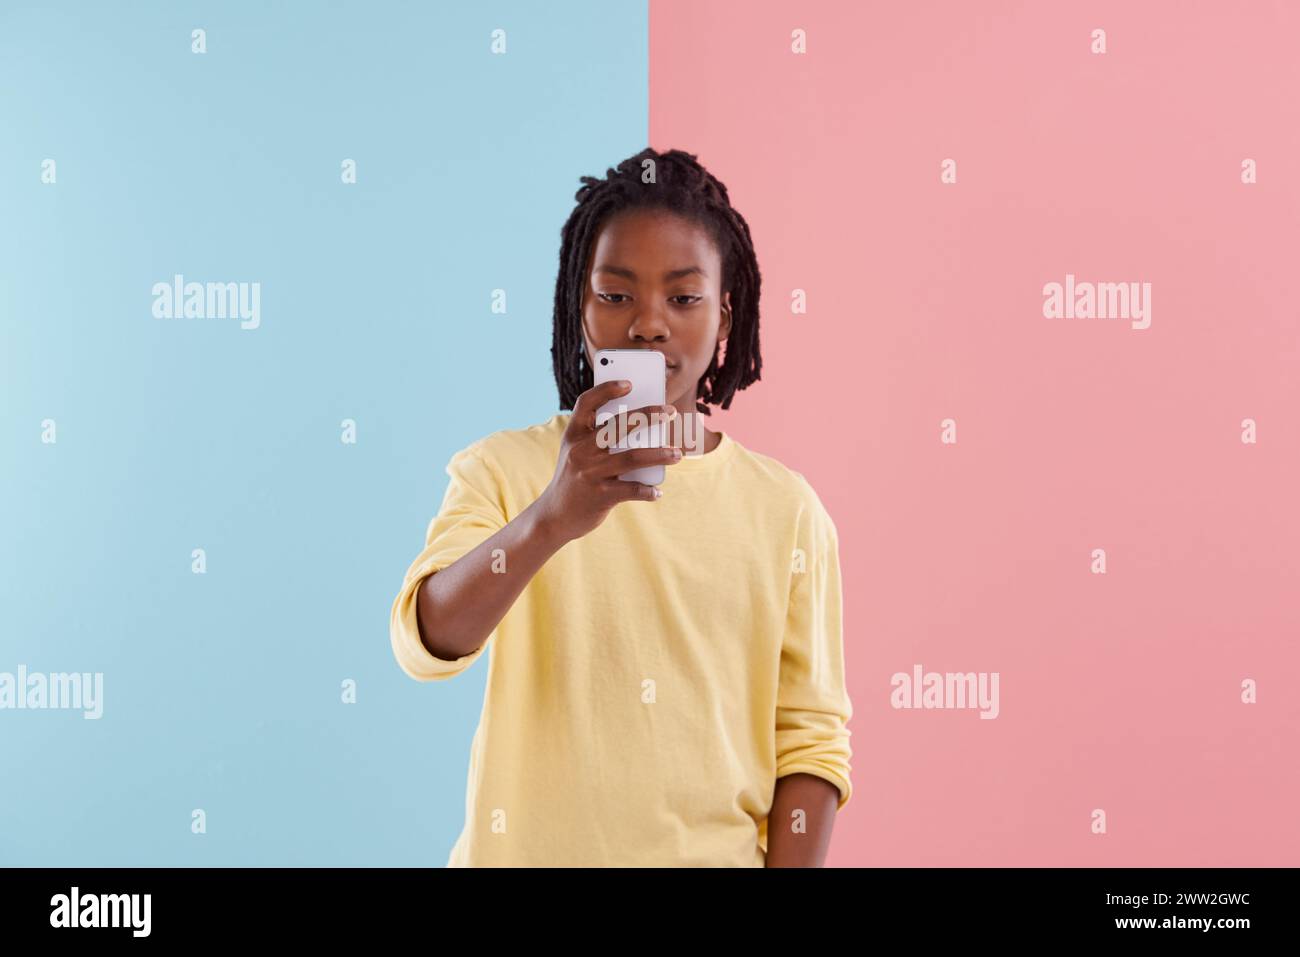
x,y
692,463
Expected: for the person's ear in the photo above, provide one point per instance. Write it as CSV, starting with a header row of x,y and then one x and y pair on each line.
x,y
724,326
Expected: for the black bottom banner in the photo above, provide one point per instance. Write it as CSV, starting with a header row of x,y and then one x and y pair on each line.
x,y
329,906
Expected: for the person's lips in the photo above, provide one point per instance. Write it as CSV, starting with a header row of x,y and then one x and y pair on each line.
x,y
667,361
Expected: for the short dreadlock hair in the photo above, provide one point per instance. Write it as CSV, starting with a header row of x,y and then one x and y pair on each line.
x,y
681,185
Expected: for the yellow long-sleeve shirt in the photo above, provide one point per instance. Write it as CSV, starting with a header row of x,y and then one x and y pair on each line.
x,y
656,676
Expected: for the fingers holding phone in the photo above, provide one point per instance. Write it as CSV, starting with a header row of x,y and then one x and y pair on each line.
x,y
586,484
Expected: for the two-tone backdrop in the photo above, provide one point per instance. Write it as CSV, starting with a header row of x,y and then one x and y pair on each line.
x,y
1028,327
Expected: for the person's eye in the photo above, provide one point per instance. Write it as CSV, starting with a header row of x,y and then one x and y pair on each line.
x,y
693,299
606,295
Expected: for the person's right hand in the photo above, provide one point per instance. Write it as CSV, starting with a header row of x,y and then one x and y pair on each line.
x,y
586,484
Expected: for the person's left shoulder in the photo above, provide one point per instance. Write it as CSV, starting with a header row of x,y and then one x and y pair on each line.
x,y
791,490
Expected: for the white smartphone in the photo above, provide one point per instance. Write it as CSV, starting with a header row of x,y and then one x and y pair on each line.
x,y
648,373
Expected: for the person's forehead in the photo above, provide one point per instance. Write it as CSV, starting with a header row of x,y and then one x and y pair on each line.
x,y
655,238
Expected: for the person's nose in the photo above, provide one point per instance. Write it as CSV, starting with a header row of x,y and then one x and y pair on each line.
x,y
649,325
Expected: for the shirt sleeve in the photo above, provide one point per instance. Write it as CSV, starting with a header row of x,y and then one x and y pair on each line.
x,y
813,707
472,511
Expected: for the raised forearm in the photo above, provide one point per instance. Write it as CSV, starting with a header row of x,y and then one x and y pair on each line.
x,y
801,840
458,607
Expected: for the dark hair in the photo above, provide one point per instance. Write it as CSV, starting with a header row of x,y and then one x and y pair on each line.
x,y
681,185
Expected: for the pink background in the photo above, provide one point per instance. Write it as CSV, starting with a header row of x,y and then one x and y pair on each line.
x,y
1119,691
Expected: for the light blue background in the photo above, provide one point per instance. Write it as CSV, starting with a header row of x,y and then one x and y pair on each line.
x,y
222,691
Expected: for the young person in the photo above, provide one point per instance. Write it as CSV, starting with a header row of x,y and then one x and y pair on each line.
x,y
666,685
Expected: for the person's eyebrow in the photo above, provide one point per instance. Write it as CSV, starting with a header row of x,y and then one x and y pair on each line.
x,y
670,275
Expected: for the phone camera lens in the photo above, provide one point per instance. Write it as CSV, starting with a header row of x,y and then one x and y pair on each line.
x,y
604,360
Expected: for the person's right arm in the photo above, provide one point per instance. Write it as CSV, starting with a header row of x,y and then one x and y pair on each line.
x,y
458,607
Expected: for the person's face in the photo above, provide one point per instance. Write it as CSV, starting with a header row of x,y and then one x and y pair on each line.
x,y
655,283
